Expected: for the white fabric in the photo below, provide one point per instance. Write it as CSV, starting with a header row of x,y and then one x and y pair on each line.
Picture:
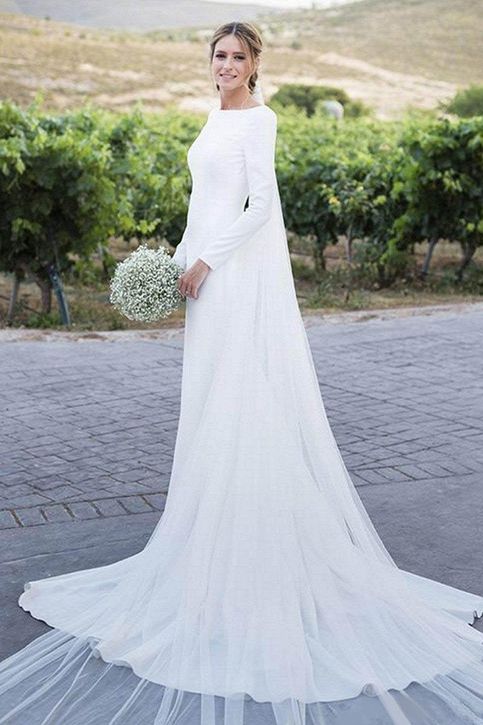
x,y
264,594
258,93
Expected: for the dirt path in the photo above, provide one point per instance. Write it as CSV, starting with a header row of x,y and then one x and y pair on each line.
x,y
310,318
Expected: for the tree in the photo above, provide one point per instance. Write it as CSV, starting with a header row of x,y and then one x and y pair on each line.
x,y
57,196
440,182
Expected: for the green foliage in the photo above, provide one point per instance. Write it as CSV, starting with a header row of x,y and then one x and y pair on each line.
x,y
44,320
386,185
308,98
439,185
467,102
335,290
149,165
69,182
336,183
56,194
356,109
447,282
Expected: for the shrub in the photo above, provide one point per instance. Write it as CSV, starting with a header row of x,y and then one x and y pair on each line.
x,y
467,102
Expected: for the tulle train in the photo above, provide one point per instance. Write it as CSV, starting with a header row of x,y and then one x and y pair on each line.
x,y
58,679
264,594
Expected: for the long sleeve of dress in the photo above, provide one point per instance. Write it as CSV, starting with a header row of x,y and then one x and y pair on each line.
x,y
258,144
179,255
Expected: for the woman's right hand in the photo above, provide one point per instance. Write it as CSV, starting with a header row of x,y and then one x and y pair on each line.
x,y
191,280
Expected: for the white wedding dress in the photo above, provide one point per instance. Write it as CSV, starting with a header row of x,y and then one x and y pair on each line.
x,y
264,594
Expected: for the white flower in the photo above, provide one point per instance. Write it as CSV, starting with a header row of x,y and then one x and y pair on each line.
x,y
145,285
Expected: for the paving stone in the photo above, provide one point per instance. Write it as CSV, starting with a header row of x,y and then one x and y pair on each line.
x,y
157,500
82,510
392,473
81,475
10,469
94,421
27,499
434,469
371,475
459,468
135,504
109,507
123,489
7,520
48,482
136,475
63,493
30,516
413,472
57,513
356,460
15,480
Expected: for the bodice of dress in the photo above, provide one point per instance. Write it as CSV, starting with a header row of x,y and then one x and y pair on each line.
x,y
232,159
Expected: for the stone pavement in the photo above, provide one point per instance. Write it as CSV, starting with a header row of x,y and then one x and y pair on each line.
x,y
88,430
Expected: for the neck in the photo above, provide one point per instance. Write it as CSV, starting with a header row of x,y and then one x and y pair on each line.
x,y
238,98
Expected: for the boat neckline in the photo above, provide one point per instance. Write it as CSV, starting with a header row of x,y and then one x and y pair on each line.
x,y
239,110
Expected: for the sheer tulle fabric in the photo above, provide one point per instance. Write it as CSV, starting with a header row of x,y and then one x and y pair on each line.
x,y
58,679
264,594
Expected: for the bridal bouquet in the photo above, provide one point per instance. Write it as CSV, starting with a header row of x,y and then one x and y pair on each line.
x,y
144,286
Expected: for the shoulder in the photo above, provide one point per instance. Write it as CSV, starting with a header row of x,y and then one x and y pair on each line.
x,y
262,111
260,120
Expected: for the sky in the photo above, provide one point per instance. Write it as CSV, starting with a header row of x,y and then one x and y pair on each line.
x,y
292,3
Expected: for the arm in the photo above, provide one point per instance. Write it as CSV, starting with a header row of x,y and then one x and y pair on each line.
x,y
259,152
179,255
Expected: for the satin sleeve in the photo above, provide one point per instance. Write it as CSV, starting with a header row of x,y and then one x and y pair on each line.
x,y
258,144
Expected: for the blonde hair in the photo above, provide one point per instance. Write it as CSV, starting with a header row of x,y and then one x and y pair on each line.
x,y
249,37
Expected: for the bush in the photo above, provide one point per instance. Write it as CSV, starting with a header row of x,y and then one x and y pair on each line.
x,y
439,186
306,97
309,98
68,182
56,195
467,102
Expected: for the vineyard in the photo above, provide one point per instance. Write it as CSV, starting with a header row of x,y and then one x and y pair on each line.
x,y
79,191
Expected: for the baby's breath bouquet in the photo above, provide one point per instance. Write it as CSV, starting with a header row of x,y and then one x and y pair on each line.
x,y
144,285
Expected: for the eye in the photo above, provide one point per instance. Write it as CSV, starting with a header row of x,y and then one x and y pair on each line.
x,y
222,55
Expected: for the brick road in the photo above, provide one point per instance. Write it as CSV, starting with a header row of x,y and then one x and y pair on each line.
x,y
88,430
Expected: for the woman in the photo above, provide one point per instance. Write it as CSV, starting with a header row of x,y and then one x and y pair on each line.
x,y
264,594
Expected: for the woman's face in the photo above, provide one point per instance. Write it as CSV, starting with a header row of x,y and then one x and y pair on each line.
x,y
231,66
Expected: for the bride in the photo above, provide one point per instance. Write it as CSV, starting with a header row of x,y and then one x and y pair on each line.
x,y
264,593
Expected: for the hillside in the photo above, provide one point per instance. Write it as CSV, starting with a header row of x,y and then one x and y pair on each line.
x,y
390,54
139,15
439,39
